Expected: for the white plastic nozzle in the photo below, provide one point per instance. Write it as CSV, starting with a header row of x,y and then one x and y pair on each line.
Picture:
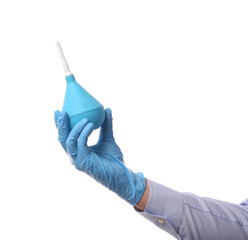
x,y
64,62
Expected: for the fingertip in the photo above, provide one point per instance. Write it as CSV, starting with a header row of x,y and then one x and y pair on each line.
x,y
80,126
56,116
108,112
92,125
89,128
63,118
62,113
83,121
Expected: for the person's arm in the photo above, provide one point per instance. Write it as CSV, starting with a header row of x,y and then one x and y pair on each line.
x,y
184,216
188,216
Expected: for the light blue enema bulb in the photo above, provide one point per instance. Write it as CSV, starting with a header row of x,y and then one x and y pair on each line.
x,y
78,103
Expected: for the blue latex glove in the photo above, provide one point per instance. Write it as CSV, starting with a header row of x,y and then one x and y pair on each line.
x,y
103,161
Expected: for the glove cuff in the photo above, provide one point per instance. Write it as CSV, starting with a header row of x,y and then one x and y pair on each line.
x,y
139,185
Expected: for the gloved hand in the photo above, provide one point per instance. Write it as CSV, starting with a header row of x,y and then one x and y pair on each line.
x,y
103,161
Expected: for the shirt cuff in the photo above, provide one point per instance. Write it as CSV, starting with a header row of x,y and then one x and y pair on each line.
x,y
164,208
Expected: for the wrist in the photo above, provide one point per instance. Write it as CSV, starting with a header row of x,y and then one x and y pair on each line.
x,y
141,205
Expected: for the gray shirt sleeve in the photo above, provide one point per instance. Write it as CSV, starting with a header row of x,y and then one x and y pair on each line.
x,y
189,217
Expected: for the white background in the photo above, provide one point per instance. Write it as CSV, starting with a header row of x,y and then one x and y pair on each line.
x,y
174,74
